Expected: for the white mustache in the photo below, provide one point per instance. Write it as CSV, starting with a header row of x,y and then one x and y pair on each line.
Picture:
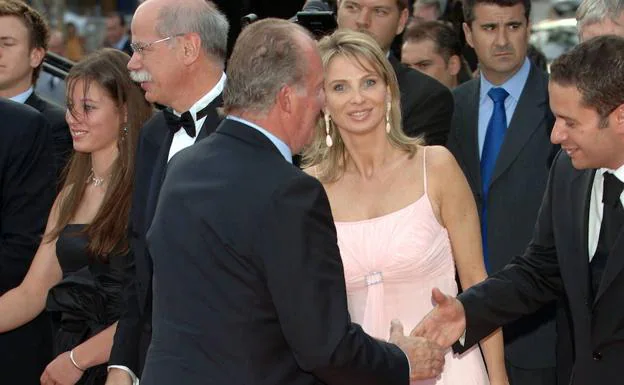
x,y
140,76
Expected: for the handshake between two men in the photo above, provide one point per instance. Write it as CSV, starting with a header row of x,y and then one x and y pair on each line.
x,y
426,345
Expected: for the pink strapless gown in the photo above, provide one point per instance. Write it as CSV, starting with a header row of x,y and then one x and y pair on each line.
x,y
391,263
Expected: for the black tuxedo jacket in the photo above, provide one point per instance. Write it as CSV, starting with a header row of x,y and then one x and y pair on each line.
x,y
26,196
62,145
426,104
134,328
248,280
516,191
557,262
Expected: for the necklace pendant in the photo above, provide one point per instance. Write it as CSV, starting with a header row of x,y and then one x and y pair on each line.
x,y
97,182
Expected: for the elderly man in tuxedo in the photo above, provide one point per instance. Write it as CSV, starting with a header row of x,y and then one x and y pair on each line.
x,y
578,241
248,281
179,56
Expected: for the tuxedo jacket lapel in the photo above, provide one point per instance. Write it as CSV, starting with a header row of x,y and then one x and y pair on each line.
x,y
212,118
582,186
615,263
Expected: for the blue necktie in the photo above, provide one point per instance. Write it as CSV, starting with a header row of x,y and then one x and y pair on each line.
x,y
493,140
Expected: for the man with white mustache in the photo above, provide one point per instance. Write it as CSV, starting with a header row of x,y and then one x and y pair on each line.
x,y
179,55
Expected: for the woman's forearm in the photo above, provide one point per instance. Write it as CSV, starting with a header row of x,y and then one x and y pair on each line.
x,y
18,306
493,352
96,350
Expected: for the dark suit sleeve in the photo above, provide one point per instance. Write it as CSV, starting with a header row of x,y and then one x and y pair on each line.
x,y
27,192
125,350
306,280
431,112
523,286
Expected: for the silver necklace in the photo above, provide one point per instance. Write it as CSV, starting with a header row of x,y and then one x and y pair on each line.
x,y
97,182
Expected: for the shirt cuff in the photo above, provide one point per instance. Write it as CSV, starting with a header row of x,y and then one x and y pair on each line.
x,y
135,380
409,365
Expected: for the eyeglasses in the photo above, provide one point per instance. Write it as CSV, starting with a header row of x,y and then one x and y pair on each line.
x,y
139,47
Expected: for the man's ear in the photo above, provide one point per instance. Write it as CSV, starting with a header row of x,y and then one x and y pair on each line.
x,y
284,99
454,65
402,21
468,34
619,118
191,43
36,57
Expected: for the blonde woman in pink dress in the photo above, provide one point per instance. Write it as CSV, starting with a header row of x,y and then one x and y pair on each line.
x,y
404,213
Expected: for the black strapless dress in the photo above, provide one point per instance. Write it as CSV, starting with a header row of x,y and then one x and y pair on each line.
x,y
88,299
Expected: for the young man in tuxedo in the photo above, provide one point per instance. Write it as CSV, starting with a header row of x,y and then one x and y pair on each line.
x,y
26,194
249,285
23,38
179,55
578,241
426,104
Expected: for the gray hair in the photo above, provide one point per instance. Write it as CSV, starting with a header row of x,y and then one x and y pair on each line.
x,y
594,11
204,19
266,57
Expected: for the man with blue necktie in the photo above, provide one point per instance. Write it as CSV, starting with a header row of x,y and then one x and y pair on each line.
x,y
500,137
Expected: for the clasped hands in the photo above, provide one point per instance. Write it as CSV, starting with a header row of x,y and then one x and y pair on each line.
x,y
429,340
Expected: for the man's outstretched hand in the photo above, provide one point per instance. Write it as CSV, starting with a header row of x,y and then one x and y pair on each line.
x,y
425,357
445,323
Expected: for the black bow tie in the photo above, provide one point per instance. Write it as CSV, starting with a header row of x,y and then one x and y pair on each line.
x,y
185,120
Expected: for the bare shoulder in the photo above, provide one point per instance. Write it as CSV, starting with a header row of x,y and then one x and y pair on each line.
x,y
439,159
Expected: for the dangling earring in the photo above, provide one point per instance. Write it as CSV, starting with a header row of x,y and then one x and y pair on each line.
x,y
124,133
328,140
388,123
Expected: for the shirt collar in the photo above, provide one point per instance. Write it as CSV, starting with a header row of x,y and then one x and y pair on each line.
x,y
206,99
514,85
619,173
281,146
122,42
21,98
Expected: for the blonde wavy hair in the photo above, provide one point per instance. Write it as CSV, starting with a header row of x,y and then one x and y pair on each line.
x,y
360,48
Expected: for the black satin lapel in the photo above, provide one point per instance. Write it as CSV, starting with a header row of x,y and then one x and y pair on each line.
x,y
212,119
582,186
615,263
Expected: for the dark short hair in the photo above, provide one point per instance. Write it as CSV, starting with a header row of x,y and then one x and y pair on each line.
x,y
119,16
596,68
469,6
443,35
38,29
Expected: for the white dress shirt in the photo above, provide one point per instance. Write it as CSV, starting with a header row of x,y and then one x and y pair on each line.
x,y
596,208
181,139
